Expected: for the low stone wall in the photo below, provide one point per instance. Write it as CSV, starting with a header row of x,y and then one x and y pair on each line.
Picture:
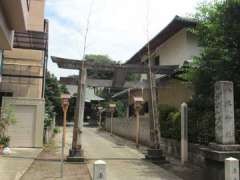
x,y
172,148
127,128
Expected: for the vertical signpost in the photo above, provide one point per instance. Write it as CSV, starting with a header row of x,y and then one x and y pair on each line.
x,y
112,108
138,101
65,104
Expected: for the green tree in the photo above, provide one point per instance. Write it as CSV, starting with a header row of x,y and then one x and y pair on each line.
x,y
107,93
53,91
218,33
105,59
100,59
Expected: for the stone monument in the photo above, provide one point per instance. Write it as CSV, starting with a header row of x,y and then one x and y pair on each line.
x,y
225,146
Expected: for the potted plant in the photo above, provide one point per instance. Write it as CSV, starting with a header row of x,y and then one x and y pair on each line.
x,y
4,142
1,146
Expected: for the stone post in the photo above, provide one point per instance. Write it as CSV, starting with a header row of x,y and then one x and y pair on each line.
x,y
224,113
231,169
99,170
111,130
184,133
54,121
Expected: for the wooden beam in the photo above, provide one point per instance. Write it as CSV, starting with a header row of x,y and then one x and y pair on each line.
x,y
133,68
99,83
104,83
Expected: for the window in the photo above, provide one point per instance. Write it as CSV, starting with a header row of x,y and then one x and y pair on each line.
x,y
157,61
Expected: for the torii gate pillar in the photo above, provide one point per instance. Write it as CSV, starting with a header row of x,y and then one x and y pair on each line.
x,y
76,153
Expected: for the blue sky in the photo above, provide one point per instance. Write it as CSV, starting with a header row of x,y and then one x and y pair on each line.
x,y
117,27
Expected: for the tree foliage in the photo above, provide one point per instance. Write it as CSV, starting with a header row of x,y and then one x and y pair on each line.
x,y
105,59
53,91
107,93
99,59
218,33
170,122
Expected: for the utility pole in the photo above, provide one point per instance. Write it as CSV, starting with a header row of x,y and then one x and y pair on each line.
x,y
154,153
76,153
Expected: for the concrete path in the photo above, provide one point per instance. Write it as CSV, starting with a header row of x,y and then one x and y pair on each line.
x,y
12,167
47,166
123,162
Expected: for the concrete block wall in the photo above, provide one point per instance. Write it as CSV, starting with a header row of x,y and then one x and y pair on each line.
x,y
127,127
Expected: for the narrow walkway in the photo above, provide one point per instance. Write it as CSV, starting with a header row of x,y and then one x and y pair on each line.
x,y
123,162
13,166
47,165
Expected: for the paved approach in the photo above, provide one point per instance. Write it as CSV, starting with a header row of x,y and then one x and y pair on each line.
x,y
13,166
123,162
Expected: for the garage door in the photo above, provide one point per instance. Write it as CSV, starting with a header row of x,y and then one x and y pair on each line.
x,y
22,133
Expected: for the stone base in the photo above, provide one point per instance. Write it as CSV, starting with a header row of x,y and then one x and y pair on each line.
x,y
155,155
75,159
222,147
219,152
75,155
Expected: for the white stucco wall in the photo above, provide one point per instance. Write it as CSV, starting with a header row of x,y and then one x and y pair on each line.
x,y
180,47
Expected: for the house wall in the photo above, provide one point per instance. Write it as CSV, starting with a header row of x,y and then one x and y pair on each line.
x,y
173,51
174,93
26,61
171,92
180,47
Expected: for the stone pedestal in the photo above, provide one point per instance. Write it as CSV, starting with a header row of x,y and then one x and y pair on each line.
x,y
225,146
231,169
75,155
99,170
155,155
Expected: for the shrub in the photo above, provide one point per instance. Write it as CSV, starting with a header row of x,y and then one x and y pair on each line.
x,y
4,140
170,122
201,121
56,130
7,118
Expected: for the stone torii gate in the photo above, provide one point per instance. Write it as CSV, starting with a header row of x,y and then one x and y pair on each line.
x,y
118,81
